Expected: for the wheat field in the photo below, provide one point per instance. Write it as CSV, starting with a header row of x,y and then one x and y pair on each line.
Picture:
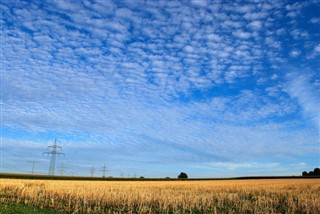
x,y
216,196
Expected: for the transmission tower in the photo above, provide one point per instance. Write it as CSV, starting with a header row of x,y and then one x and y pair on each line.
x,y
92,170
53,154
104,170
33,163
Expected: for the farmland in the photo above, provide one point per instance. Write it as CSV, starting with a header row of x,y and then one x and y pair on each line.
x,y
219,196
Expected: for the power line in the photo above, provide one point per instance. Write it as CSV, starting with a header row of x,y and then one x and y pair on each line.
x,y
53,154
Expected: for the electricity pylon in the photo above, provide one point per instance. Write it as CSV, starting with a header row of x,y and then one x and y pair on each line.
x,y
104,170
53,154
33,163
92,170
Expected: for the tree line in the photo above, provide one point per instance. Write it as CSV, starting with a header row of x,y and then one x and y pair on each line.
x,y
315,172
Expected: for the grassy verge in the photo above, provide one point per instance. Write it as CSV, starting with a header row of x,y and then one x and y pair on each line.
x,y
24,209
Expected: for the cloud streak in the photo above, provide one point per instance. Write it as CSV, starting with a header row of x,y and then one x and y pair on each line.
x,y
306,94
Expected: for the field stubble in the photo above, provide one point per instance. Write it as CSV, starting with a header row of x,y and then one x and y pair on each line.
x,y
225,196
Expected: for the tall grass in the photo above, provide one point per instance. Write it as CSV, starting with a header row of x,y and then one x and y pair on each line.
x,y
228,196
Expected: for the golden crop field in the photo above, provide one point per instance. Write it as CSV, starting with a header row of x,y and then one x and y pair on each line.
x,y
224,196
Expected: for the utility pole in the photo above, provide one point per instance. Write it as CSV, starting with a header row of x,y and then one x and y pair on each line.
x,y
92,170
104,170
53,154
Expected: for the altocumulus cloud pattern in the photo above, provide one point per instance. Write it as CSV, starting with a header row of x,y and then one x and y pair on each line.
x,y
152,88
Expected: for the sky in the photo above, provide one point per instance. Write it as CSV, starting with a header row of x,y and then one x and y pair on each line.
x,y
154,88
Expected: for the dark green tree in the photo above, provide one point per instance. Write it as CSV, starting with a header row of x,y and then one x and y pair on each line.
x,y
183,175
316,171
304,173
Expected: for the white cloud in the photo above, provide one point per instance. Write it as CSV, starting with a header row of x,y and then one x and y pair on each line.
x,y
295,53
234,166
292,14
317,48
296,6
255,16
242,34
273,91
202,3
315,20
246,8
299,34
281,31
257,25
274,77
300,88
301,165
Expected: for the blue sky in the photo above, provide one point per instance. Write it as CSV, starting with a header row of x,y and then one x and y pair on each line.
x,y
153,88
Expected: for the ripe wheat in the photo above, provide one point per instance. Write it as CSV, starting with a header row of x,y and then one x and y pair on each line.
x,y
226,196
